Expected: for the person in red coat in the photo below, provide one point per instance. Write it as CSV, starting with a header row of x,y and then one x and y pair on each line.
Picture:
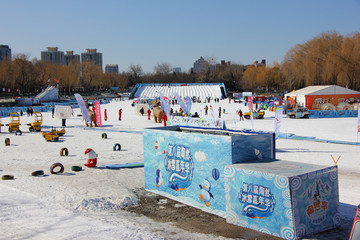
x,y
149,113
120,112
164,118
105,114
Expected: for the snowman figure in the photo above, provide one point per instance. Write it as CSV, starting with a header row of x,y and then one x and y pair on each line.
x,y
92,158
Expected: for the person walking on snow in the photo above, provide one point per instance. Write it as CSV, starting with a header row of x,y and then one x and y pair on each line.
x,y
120,112
142,111
241,115
164,118
105,114
149,113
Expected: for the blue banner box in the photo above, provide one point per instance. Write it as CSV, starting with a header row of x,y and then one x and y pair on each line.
x,y
187,163
282,198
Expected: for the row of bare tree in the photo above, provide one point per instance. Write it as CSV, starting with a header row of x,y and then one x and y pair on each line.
x,y
33,76
329,58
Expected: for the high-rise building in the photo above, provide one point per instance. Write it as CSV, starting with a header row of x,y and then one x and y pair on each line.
x,y
222,66
93,56
177,70
72,58
202,65
257,64
53,56
112,68
5,53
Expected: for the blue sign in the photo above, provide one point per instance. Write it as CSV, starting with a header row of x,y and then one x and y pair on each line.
x,y
179,164
257,200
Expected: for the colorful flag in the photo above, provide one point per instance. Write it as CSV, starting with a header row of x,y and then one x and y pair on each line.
x,y
188,104
180,102
280,101
235,116
82,106
358,118
167,107
98,114
278,121
162,102
201,112
250,101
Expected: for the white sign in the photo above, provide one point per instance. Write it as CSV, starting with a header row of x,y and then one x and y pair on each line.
x,y
278,121
358,118
63,112
196,122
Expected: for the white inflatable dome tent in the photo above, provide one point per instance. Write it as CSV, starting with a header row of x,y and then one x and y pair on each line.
x,y
198,90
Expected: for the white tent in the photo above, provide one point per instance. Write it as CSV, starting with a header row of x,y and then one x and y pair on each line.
x,y
314,97
199,91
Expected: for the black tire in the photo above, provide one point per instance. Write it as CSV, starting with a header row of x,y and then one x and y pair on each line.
x,y
104,136
31,129
76,168
64,152
37,173
56,165
7,141
247,116
292,116
7,177
18,132
117,147
10,130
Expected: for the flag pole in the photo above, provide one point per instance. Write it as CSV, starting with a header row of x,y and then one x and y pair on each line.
x,y
358,124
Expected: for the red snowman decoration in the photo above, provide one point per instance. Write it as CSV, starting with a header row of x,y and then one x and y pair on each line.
x,y
92,158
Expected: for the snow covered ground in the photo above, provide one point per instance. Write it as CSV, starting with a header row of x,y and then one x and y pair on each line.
x,y
88,204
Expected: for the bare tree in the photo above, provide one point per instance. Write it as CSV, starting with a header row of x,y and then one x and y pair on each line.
x,y
349,62
211,60
135,72
163,68
327,59
24,74
91,75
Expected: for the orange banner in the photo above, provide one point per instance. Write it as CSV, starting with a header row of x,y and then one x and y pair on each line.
x,y
332,102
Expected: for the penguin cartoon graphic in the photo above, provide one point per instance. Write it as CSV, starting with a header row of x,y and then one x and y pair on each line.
x,y
159,179
205,193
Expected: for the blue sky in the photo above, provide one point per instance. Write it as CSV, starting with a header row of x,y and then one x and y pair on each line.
x,y
149,32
